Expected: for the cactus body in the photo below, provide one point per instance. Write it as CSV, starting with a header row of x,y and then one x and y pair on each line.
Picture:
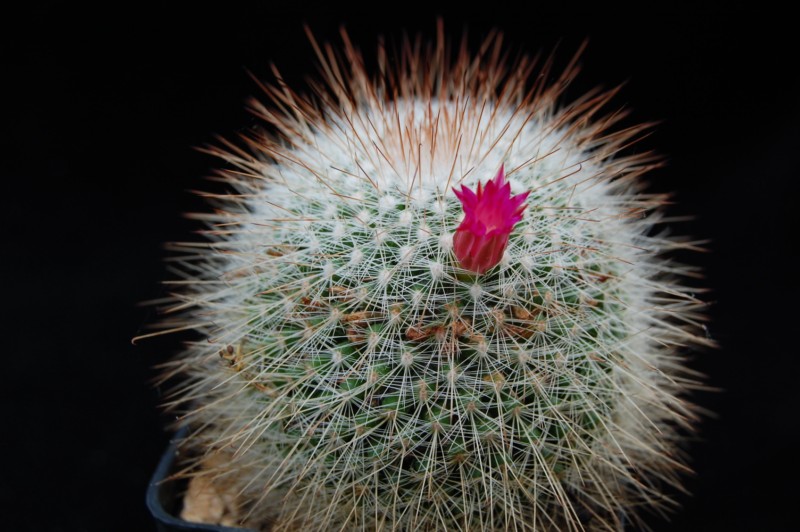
x,y
354,375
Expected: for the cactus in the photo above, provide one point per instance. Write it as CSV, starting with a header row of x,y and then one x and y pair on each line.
x,y
378,352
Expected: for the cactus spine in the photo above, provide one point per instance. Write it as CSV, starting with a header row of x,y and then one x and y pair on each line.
x,y
353,375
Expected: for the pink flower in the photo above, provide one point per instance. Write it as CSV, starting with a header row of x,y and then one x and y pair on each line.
x,y
490,215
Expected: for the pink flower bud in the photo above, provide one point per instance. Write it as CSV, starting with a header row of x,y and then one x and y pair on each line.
x,y
490,215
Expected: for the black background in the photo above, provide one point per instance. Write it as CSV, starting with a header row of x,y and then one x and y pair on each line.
x,y
103,108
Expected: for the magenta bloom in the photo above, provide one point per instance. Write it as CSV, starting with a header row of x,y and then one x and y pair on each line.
x,y
491,214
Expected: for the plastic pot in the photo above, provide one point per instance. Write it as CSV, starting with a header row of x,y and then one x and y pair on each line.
x,y
163,496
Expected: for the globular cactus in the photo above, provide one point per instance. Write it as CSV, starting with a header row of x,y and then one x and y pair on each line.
x,y
436,299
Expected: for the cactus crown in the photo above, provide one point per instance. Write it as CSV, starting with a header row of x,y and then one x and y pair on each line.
x,y
355,370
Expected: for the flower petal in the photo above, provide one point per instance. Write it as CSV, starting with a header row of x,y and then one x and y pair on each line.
x,y
489,216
